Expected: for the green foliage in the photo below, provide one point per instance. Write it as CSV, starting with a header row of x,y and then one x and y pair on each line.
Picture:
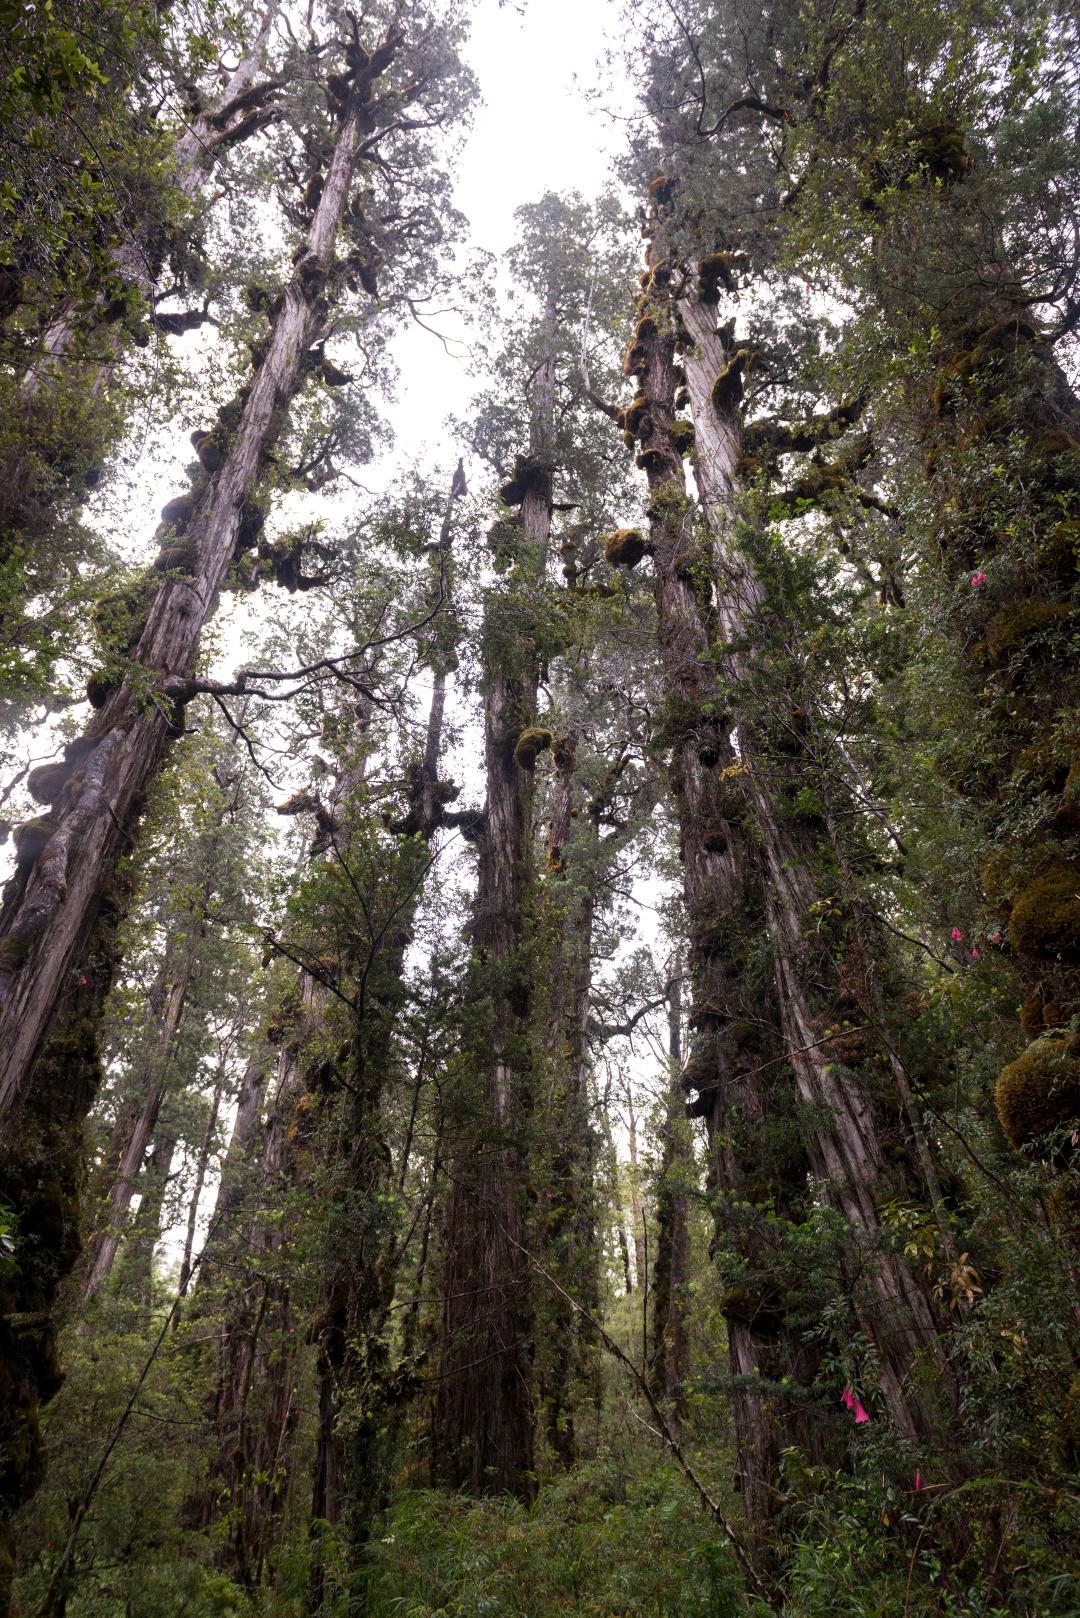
x,y
602,1540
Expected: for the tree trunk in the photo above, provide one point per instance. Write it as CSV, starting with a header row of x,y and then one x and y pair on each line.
x,y
165,1009
843,1134
731,1015
355,1365
136,1268
671,1269
483,1437
253,1408
202,1166
67,860
568,1223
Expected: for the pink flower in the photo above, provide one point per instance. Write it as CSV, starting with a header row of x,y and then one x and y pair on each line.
x,y
957,936
918,1481
847,1398
860,1413
977,579
995,938
974,952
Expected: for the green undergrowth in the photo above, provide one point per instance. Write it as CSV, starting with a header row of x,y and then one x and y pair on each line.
x,y
600,1541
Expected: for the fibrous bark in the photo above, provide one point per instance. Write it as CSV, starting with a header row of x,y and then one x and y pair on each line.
x,y
67,858
484,1415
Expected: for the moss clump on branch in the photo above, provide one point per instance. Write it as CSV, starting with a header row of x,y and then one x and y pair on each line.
x,y
626,547
1013,628
714,272
651,460
728,388
46,784
751,1308
533,741
1039,1092
99,688
529,477
662,189
634,415
635,361
682,433
177,513
942,150
31,837
1045,917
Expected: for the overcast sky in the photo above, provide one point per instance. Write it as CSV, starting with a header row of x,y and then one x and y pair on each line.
x,y
534,132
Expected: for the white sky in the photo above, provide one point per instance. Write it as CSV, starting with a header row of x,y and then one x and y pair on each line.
x,y
534,132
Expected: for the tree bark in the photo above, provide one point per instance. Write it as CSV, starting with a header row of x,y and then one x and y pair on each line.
x,y
67,860
671,1269
483,1437
568,1223
731,1016
843,1134
165,1010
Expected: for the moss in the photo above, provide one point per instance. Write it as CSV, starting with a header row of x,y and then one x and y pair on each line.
x,y
1044,765
682,433
751,1307
179,511
31,837
635,361
634,414
563,754
651,460
662,189
1014,627
529,477
715,840
1045,917
700,1071
728,387
1031,1016
532,741
1054,441
13,952
942,151
1039,1092
625,547
99,688
179,558
707,1014
47,782
714,272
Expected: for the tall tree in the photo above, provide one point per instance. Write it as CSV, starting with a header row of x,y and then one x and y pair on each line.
x,y
51,918
484,1416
